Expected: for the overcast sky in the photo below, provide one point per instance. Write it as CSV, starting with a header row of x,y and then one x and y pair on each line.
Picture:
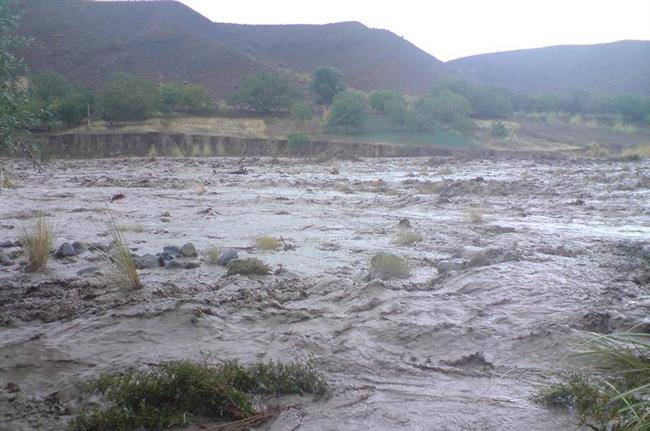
x,y
450,29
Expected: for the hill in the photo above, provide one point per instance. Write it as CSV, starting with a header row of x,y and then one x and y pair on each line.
x,y
610,68
166,40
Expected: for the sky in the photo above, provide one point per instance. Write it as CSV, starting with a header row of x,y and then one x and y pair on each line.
x,y
455,28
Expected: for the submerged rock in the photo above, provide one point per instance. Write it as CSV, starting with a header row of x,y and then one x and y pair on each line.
x,y
147,261
192,265
91,270
450,265
226,256
174,264
188,250
65,250
4,259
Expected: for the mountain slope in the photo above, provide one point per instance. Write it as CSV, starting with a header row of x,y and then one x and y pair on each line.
x,y
618,67
168,41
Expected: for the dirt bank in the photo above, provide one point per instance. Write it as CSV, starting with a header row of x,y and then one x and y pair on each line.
x,y
516,259
100,145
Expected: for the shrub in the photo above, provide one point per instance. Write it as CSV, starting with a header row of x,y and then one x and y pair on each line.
x,y
69,103
268,243
212,255
38,240
172,394
128,98
349,110
387,265
265,92
302,112
499,130
249,266
297,140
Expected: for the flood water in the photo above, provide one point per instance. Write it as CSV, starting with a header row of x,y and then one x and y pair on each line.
x,y
544,250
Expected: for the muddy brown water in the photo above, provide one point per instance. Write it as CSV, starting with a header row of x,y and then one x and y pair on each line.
x,y
554,254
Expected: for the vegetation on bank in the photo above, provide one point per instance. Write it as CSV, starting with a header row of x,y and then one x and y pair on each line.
x,y
173,394
614,393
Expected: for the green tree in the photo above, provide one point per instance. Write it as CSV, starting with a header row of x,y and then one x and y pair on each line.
x,y
128,97
380,98
67,102
326,83
190,99
447,106
396,109
424,118
265,92
17,115
349,110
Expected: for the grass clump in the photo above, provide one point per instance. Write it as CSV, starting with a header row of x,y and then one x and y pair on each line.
x,y
172,394
176,152
406,236
268,243
475,215
641,151
249,266
122,265
38,241
387,265
615,395
211,255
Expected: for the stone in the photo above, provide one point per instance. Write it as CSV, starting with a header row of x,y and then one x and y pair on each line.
x,y
91,270
4,259
174,264
9,244
470,252
169,252
147,261
98,246
192,265
226,256
406,223
188,250
65,250
361,277
450,265
79,247
165,214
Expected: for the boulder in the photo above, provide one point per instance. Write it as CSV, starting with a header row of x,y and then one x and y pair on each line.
x,y
226,256
79,247
174,264
65,250
188,250
450,265
192,265
147,261
91,270
4,259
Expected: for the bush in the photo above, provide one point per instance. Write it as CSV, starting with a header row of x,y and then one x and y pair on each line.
x,y
387,265
128,98
407,236
297,141
265,92
349,110
268,243
249,266
189,99
326,83
302,112
67,102
499,130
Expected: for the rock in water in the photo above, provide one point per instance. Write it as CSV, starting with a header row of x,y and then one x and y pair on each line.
x,y
192,265
174,264
4,259
65,250
226,256
79,247
188,250
147,261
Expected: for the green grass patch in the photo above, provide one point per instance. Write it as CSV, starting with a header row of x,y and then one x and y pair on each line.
x,y
388,265
172,394
378,129
614,393
249,266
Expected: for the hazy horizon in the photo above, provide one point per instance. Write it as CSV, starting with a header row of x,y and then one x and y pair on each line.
x,y
502,25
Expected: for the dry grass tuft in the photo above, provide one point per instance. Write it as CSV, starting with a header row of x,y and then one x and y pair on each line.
x,y
268,243
211,255
249,266
137,228
641,151
200,188
475,215
406,236
121,261
38,241
176,152
152,151
430,188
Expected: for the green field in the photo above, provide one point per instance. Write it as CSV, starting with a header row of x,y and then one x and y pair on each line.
x,y
377,129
